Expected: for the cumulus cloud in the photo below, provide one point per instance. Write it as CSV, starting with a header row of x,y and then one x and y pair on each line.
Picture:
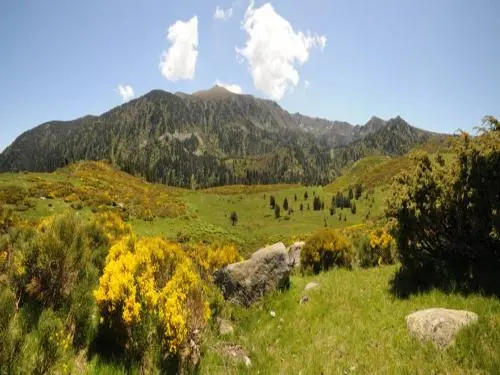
x,y
274,50
230,87
126,92
179,61
221,14
307,84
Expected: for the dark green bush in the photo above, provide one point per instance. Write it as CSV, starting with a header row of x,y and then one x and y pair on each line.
x,y
448,220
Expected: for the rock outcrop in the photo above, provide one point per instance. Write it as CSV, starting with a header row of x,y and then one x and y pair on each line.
x,y
439,325
294,254
247,281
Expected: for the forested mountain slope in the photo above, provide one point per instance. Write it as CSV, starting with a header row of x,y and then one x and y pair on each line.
x,y
210,138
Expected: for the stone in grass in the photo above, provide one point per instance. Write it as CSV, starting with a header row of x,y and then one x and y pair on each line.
x,y
304,299
225,327
237,352
294,254
248,281
310,286
439,325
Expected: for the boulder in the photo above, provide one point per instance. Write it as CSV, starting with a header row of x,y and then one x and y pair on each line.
x,y
294,254
225,327
310,286
439,325
246,282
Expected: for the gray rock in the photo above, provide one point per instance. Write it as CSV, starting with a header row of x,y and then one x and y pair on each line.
x,y
237,352
439,325
304,299
248,281
247,361
225,327
310,286
294,254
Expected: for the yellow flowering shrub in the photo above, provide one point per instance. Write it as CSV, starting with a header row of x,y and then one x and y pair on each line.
x,y
213,257
151,280
383,245
71,198
325,249
113,225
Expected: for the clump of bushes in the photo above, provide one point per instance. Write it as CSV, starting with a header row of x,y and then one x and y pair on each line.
x,y
47,276
151,295
325,249
448,218
377,247
212,257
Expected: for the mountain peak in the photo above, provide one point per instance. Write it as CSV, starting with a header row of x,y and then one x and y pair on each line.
x,y
215,92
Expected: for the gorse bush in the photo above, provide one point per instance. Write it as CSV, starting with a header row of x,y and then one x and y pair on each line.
x,y
48,274
376,247
325,249
448,219
210,258
150,293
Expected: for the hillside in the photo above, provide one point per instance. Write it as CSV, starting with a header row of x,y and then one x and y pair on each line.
x,y
210,138
155,209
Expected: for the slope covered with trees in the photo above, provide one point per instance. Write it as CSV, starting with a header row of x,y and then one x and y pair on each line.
x,y
209,138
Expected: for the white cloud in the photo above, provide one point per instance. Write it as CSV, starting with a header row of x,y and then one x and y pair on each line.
x,y
221,14
274,50
179,61
126,92
307,84
230,87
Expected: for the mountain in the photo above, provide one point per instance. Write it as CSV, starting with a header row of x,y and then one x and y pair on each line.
x,y
212,137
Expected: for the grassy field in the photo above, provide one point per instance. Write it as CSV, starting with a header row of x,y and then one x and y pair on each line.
x,y
202,215
352,324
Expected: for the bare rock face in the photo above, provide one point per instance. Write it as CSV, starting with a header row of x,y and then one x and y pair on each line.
x,y
246,282
294,254
439,325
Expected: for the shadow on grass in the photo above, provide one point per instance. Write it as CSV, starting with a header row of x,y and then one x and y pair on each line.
x,y
484,280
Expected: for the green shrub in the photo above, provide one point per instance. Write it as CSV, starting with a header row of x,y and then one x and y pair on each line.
x,y
448,219
366,257
46,348
325,249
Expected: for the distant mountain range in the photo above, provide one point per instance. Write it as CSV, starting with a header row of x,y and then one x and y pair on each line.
x,y
209,138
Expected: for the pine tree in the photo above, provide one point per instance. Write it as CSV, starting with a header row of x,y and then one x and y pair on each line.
x,y
306,195
285,204
277,211
272,201
234,217
353,208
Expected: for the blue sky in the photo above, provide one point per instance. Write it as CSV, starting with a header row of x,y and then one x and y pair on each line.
x,y
436,63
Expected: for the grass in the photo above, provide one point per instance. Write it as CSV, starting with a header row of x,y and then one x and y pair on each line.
x,y
353,325
202,215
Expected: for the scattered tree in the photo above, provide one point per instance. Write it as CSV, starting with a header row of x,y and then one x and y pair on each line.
x,y
234,217
353,208
316,203
301,207
358,190
285,204
277,211
295,197
306,195
272,201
